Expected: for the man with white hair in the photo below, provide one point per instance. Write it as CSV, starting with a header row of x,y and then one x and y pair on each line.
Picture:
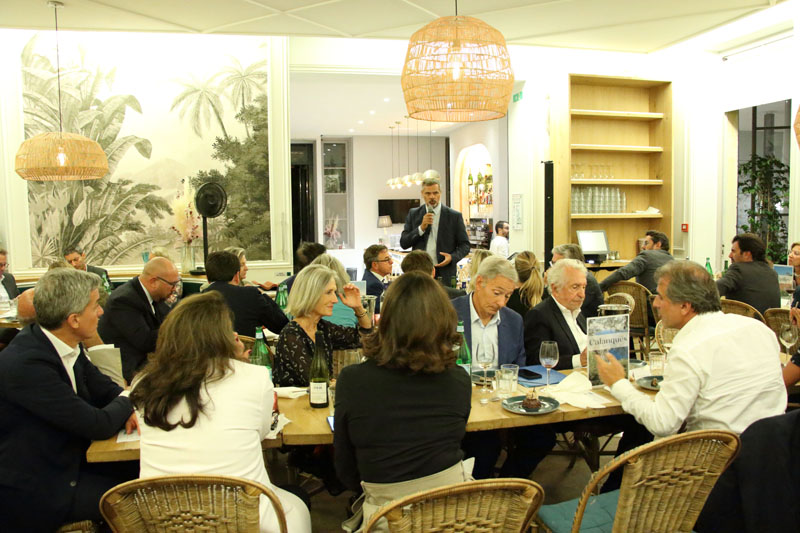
x,y
437,229
559,318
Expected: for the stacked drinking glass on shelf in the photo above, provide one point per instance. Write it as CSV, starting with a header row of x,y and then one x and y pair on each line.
x,y
598,200
580,171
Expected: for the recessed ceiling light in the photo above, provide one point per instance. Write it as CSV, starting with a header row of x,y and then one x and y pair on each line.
x,y
433,131
360,121
386,99
351,130
371,111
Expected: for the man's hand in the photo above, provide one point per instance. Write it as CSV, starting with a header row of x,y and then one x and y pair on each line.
x,y
447,259
609,372
584,361
427,220
267,286
131,424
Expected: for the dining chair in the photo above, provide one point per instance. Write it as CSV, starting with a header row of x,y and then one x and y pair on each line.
x,y
775,318
639,322
664,486
506,505
189,502
84,526
664,336
250,341
736,307
621,298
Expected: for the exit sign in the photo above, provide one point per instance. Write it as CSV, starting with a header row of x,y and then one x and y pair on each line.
x,y
517,96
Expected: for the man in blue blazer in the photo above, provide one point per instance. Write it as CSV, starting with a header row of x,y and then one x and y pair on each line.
x,y
487,322
378,268
437,229
53,402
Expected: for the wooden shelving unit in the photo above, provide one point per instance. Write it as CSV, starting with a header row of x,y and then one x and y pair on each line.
x,y
618,134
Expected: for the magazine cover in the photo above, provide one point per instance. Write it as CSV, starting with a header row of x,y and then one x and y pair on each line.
x,y
607,334
785,278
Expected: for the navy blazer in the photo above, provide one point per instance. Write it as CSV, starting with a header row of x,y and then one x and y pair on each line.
x,y
510,341
251,309
47,427
11,285
129,324
374,287
451,238
546,323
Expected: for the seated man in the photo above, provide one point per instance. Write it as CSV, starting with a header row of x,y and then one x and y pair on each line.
x,y
420,261
134,312
750,279
378,270
8,291
487,322
723,370
594,296
559,318
77,258
251,309
644,265
53,401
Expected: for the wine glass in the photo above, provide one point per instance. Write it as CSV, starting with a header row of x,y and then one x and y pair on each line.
x,y
788,336
548,356
484,356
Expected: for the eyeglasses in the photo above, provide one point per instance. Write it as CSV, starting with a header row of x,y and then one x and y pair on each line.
x,y
3,265
388,259
172,284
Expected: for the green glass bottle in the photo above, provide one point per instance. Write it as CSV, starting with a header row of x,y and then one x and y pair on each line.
x,y
725,268
708,267
259,355
281,298
463,359
318,376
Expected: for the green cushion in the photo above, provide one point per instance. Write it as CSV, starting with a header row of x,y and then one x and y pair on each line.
x,y
598,518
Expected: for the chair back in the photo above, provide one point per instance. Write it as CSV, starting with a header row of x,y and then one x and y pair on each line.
x,y
664,336
250,341
187,503
777,317
84,526
641,298
621,298
665,483
506,505
736,307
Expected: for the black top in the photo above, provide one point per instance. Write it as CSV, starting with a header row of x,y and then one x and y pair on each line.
x,y
11,285
251,309
295,350
515,303
392,425
754,283
643,266
545,322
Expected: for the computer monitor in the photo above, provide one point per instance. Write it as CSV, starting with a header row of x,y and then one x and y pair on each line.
x,y
594,244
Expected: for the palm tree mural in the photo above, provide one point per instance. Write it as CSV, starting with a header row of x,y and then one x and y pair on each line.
x,y
200,101
99,216
244,83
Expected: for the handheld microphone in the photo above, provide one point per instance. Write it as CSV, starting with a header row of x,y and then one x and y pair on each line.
x,y
428,208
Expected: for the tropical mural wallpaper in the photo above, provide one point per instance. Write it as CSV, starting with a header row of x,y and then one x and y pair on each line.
x,y
171,112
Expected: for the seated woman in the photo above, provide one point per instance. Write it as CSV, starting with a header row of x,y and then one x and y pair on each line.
x,y
401,415
313,296
342,315
240,254
203,409
531,286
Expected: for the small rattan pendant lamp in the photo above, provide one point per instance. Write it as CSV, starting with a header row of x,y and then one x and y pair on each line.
x,y
59,156
457,69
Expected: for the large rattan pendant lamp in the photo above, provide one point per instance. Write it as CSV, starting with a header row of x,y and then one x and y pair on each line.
x,y
457,69
59,156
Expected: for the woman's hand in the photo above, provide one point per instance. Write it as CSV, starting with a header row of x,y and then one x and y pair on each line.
x,y
351,297
241,354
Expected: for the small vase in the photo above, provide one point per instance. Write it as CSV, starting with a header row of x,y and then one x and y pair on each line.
x,y
187,259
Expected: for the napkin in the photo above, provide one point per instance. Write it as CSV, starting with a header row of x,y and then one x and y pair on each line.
x,y
291,392
575,389
282,421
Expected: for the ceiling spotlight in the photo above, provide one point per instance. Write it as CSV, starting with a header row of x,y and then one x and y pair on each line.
x,y
386,99
371,111
360,121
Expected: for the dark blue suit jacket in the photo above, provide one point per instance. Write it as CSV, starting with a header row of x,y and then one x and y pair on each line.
x,y
47,427
251,309
510,339
374,287
11,285
451,238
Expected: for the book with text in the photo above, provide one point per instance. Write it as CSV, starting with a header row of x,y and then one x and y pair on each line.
x,y
607,335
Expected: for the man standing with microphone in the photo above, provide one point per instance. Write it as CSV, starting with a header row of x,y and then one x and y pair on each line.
x,y
436,229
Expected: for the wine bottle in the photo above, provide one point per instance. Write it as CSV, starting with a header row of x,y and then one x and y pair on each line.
x,y
463,359
259,355
318,376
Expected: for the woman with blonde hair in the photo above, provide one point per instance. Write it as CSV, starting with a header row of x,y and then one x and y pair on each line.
x,y
240,254
203,409
474,264
531,286
342,315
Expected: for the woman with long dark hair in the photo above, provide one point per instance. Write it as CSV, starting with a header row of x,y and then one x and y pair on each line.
x,y
204,409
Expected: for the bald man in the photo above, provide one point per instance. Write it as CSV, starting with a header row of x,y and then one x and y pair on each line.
x,y
134,311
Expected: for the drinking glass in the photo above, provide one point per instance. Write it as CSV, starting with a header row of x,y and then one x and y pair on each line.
x,y
507,380
788,336
656,360
548,356
484,356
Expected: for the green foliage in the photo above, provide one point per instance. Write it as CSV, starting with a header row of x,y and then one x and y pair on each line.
x,y
766,180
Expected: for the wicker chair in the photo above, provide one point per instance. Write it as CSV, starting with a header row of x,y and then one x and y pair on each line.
x,y
498,505
250,341
664,486
84,526
777,317
193,502
639,324
736,307
664,336
621,298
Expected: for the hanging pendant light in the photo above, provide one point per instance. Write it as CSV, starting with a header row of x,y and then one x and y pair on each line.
x,y
457,69
390,181
60,156
417,176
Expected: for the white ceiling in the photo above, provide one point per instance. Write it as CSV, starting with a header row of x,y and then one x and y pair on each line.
x,y
622,25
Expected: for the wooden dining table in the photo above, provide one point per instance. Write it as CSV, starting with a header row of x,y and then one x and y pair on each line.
x,y
309,426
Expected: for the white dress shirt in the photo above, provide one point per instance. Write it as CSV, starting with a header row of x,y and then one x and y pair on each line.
x,y
577,333
723,372
483,335
67,354
499,246
4,296
430,247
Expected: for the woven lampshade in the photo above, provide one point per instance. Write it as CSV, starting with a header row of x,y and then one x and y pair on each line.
x,y
457,69
58,156
797,127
